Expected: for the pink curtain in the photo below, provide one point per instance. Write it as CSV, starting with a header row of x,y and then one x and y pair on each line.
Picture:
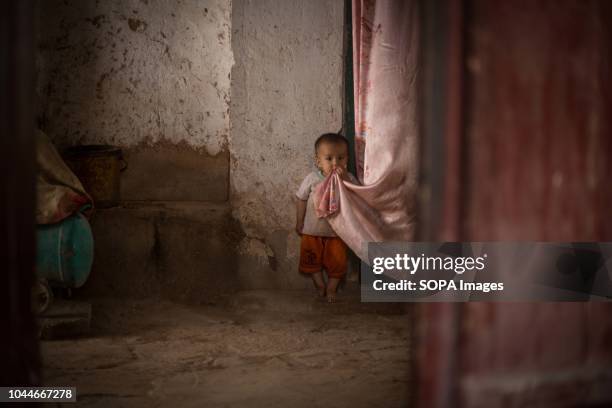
x,y
385,51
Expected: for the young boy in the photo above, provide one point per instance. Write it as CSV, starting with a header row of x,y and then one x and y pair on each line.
x,y
320,247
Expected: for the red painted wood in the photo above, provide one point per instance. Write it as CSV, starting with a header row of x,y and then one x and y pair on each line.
x,y
538,166
437,354
539,130
451,212
535,164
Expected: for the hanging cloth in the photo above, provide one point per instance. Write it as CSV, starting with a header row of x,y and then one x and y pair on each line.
x,y
385,51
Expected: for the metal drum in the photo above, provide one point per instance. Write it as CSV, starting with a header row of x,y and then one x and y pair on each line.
x,y
64,252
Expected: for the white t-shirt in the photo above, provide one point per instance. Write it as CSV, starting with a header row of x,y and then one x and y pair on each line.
x,y
314,225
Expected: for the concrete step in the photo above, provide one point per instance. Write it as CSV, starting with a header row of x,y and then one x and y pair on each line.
x,y
65,319
183,251
177,173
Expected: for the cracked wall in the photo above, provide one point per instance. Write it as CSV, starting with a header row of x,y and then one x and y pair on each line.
x,y
134,72
286,91
153,77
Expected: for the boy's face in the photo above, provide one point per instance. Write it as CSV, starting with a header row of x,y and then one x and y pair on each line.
x,y
330,156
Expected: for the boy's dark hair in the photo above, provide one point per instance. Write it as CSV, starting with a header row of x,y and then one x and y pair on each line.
x,y
330,138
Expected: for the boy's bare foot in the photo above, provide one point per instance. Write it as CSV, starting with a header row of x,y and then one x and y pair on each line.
x,y
317,279
332,286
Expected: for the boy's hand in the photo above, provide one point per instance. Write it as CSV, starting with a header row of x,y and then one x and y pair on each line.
x,y
342,173
299,227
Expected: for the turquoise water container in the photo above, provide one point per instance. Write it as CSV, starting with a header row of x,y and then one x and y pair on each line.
x,y
64,252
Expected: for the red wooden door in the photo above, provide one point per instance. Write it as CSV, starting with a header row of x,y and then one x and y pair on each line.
x,y
529,158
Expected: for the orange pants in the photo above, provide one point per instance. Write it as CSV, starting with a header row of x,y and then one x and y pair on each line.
x,y
323,252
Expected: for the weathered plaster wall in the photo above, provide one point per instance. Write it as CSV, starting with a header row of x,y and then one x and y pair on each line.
x,y
126,72
286,91
153,77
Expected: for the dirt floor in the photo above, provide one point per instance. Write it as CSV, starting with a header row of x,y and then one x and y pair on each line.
x,y
260,349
